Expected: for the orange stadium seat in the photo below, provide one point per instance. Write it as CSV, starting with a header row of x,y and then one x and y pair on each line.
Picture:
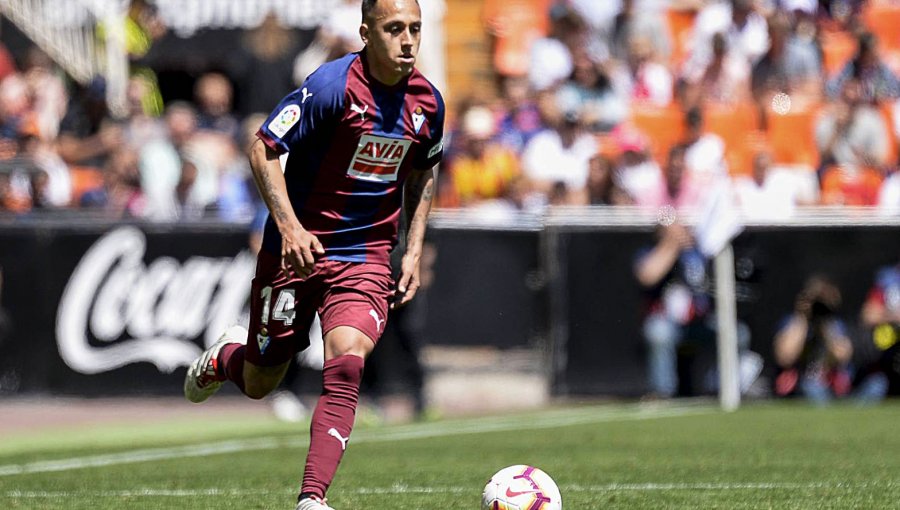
x,y
837,48
884,21
887,111
516,23
663,126
84,178
681,23
792,136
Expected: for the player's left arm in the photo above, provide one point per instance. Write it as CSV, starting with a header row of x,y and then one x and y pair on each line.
x,y
418,192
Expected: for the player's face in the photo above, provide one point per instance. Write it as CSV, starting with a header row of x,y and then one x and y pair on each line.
x,y
392,34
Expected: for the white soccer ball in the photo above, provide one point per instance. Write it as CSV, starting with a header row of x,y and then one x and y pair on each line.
x,y
521,488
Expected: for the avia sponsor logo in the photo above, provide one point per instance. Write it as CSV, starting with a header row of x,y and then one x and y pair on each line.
x,y
117,310
378,158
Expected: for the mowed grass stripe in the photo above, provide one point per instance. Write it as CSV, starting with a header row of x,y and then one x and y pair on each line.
x,y
551,419
403,489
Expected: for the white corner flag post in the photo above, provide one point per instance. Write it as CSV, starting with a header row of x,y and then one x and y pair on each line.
x,y
726,318
718,223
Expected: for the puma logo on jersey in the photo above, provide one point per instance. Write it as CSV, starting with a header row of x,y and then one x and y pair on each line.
x,y
378,321
337,435
378,158
360,111
306,95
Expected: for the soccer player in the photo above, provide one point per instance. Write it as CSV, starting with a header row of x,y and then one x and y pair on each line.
x,y
362,136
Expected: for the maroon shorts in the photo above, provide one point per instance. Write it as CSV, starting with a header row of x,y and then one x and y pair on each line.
x,y
282,308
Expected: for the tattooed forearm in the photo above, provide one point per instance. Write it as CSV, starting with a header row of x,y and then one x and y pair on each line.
x,y
419,193
270,182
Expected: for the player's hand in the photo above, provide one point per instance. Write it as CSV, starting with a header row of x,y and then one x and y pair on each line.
x,y
409,281
299,249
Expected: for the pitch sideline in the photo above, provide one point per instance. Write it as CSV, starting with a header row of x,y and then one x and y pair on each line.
x,y
551,419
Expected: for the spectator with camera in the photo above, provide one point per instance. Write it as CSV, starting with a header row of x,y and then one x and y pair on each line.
x,y
812,347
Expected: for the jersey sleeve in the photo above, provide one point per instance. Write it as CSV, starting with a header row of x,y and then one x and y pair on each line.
x,y
432,148
318,102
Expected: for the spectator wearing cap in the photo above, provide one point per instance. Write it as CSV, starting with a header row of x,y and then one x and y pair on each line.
x,y
560,155
483,169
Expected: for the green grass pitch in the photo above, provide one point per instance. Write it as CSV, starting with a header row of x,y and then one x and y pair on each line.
x,y
778,456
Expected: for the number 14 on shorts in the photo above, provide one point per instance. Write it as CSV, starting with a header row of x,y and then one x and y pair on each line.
x,y
284,306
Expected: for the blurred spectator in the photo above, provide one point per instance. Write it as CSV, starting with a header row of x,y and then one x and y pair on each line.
x,y
598,91
852,133
812,347
673,187
559,155
86,135
704,156
120,196
651,81
521,118
177,179
791,66
881,320
484,168
724,80
602,188
238,200
55,188
889,195
875,80
14,105
47,91
744,28
674,276
11,199
635,22
213,94
765,195
551,56
638,173
513,26
337,36
265,70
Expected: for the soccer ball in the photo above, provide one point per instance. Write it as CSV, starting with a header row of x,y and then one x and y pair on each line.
x,y
521,488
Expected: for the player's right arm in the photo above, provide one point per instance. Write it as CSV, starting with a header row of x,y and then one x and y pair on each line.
x,y
298,247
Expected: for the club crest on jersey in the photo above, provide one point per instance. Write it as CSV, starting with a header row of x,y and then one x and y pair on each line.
x,y
418,119
378,158
285,120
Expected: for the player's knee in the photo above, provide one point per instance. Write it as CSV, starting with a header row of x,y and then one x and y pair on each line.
x,y
346,340
259,388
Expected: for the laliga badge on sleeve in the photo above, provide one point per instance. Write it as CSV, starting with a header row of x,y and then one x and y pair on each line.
x,y
285,120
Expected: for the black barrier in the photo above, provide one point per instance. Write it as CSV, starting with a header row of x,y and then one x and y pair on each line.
x,y
106,309
604,348
115,309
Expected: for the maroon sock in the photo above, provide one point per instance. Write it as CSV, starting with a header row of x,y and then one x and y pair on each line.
x,y
231,363
332,422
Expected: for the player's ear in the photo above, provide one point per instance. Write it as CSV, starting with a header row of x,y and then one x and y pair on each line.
x,y
364,33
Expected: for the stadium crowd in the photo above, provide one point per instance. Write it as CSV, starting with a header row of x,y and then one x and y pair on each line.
x,y
647,103
629,102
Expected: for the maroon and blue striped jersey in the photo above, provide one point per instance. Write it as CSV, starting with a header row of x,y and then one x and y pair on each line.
x,y
351,142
